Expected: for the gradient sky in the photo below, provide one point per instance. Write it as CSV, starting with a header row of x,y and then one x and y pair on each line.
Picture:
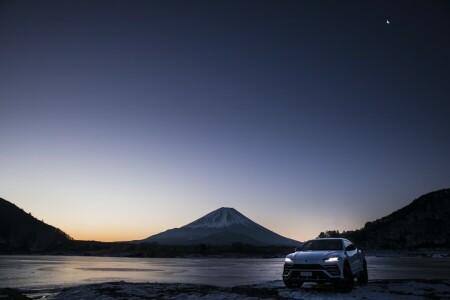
x,y
121,119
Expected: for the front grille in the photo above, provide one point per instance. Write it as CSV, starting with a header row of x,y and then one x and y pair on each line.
x,y
333,270
308,267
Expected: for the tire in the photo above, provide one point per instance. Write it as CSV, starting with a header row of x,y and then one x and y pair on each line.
x,y
346,286
363,278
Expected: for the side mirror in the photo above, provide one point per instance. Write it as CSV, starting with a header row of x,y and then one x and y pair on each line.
x,y
297,249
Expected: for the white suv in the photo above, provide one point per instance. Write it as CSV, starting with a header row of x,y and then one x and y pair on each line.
x,y
332,260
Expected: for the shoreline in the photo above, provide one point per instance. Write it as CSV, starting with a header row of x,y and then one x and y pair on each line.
x,y
426,253
375,289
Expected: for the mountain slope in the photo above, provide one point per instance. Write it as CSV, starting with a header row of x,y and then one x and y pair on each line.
x,y
222,226
423,223
22,233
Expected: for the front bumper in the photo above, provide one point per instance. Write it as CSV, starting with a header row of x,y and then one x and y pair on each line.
x,y
311,273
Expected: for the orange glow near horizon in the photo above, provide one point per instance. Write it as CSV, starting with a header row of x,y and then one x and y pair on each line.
x,y
108,236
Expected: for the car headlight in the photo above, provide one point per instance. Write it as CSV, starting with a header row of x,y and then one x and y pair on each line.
x,y
332,259
287,260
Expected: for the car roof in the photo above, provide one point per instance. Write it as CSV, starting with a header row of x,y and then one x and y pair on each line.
x,y
340,239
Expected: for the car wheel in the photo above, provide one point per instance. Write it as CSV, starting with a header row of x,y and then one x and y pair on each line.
x,y
363,278
347,284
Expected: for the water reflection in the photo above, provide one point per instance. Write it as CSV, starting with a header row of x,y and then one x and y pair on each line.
x,y
57,271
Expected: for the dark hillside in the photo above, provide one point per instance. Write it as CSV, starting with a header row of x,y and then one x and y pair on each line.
x,y
423,223
20,232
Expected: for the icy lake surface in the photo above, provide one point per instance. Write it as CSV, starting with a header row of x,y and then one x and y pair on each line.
x,y
58,271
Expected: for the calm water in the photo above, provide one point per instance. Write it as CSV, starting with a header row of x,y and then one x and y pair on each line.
x,y
57,271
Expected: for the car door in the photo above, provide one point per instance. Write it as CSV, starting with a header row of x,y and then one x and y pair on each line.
x,y
353,257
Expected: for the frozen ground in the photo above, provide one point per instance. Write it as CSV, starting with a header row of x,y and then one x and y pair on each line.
x,y
379,289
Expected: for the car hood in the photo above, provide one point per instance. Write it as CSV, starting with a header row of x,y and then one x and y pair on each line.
x,y
314,255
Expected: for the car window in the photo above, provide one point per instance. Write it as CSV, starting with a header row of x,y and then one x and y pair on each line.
x,y
346,243
322,245
350,247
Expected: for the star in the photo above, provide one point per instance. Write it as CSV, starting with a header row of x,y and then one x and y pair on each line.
x,y
387,22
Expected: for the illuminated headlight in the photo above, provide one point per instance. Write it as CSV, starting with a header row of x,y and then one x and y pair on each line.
x,y
287,260
332,259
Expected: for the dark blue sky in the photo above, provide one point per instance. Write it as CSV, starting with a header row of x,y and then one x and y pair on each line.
x,y
310,115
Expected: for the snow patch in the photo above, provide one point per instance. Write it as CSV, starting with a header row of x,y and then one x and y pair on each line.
x,y
221,218
383,289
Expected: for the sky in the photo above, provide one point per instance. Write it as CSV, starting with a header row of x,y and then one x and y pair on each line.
x,y
122,119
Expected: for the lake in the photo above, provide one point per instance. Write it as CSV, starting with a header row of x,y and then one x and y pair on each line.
x,y
33,272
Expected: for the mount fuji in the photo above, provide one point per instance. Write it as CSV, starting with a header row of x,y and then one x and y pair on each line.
x,y
223,226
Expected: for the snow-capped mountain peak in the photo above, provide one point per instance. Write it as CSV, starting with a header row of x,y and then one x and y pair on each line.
x,y
224,226
221,218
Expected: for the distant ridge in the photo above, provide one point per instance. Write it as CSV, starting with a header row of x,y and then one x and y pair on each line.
x,y
425,222
22,233
222,226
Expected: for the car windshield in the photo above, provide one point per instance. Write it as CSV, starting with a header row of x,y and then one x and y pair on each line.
x,y
322,245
